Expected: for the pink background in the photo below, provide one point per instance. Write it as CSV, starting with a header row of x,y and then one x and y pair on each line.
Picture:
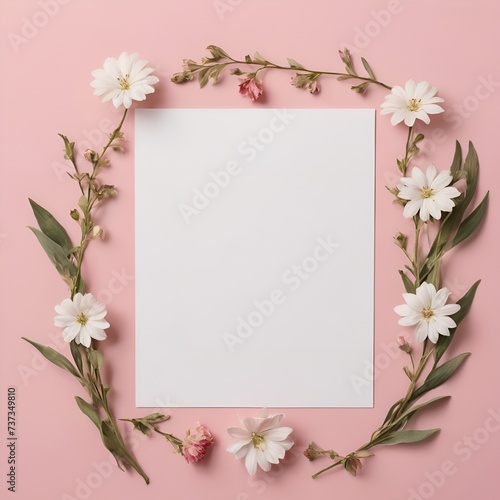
x,y
45,90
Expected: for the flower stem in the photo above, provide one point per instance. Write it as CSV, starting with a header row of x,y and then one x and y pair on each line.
x,y
314,476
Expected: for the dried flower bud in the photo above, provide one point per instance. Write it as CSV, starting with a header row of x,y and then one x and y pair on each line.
x,y
401,240
83,203
106,191
183,77
404,345
313,451
91,156
75,214
97,232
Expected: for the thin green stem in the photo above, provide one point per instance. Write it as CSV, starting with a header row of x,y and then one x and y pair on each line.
x,y
314,476
270,65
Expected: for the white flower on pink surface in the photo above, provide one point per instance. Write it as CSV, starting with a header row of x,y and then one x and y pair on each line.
x,y
428,310
82,319
123,80
427,193
196,443
261,442
414,102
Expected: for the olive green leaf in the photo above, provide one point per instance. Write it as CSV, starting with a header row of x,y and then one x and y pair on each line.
x,y
54,357
402,437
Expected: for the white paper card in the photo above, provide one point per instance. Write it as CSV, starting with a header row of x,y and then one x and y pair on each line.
x,y
254,257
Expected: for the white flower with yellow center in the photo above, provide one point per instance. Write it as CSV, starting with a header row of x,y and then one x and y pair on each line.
x,y
261,442
414,102
82,319
428,193
123,80
428,310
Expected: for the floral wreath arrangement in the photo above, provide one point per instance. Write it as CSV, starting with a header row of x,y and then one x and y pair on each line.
x,y
439,203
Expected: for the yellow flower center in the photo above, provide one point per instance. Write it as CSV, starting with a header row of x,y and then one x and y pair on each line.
x,y
427,313
257,440
414,105
82,319
427,193
124,83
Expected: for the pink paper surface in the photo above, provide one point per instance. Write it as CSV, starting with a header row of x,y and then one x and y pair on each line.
x,y
49,48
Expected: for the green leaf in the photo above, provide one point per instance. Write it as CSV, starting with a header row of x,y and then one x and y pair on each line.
x,y
472,222
57,256
96,359
439,375
69,147
77,355
407,282
456,164
367,68
454,218
391,410
90,411
294,64
465,303
203,76
402,437
50,227
405,417
54,357
344,77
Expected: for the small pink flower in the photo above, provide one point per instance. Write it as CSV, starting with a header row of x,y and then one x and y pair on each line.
x,y
313,87
251,88
195,444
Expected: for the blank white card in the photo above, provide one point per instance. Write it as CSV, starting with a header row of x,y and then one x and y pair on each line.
x,y
254,257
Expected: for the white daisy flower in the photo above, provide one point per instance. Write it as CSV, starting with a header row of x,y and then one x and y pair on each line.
x,y
415,102
82,319
429,193
428,310
261,442
124,79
